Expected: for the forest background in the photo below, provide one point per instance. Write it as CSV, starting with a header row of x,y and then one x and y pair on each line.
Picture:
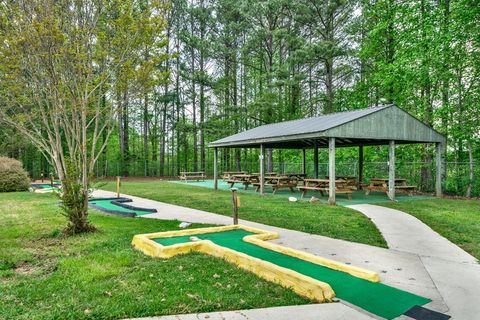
x,y
224,66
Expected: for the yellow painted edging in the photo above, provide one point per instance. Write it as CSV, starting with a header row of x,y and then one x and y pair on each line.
x,y
46,190
301,284
332,264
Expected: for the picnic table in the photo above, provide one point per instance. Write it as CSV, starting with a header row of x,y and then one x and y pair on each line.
x,y
192,175
351,181
267,174
228,174
245,179
322,185
381,185
298,176
278,182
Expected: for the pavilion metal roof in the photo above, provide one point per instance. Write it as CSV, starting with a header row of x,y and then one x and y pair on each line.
x,y
370,126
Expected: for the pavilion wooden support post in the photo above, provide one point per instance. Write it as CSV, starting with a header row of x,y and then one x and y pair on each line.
x,y
304,163
439,173
262,168
315,159
215,168
360,167
391,170
331,171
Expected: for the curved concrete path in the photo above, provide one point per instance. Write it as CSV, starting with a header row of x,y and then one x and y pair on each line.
x,y
455,273
453,287
406,233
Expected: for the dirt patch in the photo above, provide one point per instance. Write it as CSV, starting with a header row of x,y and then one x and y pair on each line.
x,y
25,269
42,266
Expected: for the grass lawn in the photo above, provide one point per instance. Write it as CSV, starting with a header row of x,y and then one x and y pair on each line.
x,y
336,222
46,276
456,220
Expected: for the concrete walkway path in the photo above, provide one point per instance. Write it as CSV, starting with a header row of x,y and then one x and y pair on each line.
x,y
326,311
405,270
456,273
404,232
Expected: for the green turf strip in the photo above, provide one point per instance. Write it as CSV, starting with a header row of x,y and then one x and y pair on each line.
x,y
45,186
377,298
358,197
107,204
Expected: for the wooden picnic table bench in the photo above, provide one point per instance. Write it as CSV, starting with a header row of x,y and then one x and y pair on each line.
x,y
245,179
192,175
322,185
381,185
297,176
228,174
351,181
278,182
266,174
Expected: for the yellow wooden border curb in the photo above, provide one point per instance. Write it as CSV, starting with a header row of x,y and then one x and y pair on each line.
x,y
45,190
301,284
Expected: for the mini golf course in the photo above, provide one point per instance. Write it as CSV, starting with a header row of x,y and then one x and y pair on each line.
x,y
354,285
45,187
118,206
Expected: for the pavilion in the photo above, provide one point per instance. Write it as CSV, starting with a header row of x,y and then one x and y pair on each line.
x,y
377,125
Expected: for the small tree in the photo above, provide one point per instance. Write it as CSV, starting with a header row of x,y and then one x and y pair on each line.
x,y
59,62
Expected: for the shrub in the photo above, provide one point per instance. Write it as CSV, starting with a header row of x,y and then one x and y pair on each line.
x,y
12,176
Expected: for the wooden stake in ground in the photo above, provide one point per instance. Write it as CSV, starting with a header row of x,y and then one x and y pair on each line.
x,y
236,205
118,186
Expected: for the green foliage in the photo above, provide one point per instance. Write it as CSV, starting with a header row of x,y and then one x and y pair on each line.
x,y
12,176
237,64
74,198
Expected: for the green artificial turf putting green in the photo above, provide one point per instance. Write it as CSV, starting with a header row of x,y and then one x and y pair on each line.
x,y
377,298
108,205
43,185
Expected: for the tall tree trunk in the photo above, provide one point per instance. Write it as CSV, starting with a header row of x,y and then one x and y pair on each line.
x,y
163,138
145,135
194,107
426,174
166,100
202,87
445,65
123,133
329,86
390,49
235,106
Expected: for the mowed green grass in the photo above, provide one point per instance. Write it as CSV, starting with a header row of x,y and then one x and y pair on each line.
x,y
456,220
331,221
99,276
